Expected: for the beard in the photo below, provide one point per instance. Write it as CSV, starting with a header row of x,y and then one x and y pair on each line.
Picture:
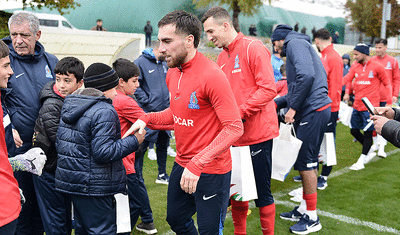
x,y
161,57
178,60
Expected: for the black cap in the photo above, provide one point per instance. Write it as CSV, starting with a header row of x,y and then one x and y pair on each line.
x,y
101,77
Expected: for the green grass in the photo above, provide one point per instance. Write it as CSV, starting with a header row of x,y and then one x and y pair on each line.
x,y
369,195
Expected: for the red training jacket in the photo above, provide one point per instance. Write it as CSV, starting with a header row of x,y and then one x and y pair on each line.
x,y
367,79
392,70
333,65
206,117
247,65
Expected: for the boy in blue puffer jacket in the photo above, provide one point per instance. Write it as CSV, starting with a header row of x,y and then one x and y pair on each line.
x,y
90,152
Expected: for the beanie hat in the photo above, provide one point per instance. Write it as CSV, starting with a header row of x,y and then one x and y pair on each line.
x,y
280,32
363,48
100,76
346,56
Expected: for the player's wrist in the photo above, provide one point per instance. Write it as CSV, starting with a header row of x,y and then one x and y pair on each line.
x,y
193,168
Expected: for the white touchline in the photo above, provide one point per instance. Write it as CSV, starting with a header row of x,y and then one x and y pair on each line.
x,y
342,218
346,219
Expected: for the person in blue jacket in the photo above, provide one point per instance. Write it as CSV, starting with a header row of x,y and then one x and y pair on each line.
x,y
90,151
346,67
152,96
309,111
33,68
276,62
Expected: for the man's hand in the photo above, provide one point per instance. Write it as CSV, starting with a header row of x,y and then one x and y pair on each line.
x,y
379,121
387,112
189,181
289,116
140,137
138,125
17,138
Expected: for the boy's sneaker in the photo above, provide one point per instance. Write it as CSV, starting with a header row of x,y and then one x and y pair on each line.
x,y
171,152
151,154
293,215
322,183
147,228
162,179
297,178
306,225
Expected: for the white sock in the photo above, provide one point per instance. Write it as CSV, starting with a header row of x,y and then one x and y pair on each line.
x,y
312,214
303,207
325,177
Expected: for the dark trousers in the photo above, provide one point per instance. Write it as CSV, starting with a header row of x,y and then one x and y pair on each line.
x,y
9,229
161,151
94,215
134,194
148,40
262,167
326,170
55,207
210,201
146,213
29,220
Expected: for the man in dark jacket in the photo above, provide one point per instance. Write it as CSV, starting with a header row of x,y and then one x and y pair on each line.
x,y
387,124
148,30
309,111
33,68
90,152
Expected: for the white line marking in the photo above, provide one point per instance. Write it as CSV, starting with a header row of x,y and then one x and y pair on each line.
x,y
347,219
342,218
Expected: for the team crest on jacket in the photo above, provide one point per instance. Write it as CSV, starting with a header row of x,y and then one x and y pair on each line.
x,y
371,74
48,72
237,65
389,65
193,103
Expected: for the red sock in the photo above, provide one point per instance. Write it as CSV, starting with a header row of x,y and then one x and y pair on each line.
x,y
267,219
239,216
311,201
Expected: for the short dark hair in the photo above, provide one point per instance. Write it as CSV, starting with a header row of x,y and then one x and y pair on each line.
x,y
185,23
70,65
217,13
283,69
381,40
98,20
323,34
4,51
125,69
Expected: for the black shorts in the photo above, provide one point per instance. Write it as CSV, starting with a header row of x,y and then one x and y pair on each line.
x,y
310,129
